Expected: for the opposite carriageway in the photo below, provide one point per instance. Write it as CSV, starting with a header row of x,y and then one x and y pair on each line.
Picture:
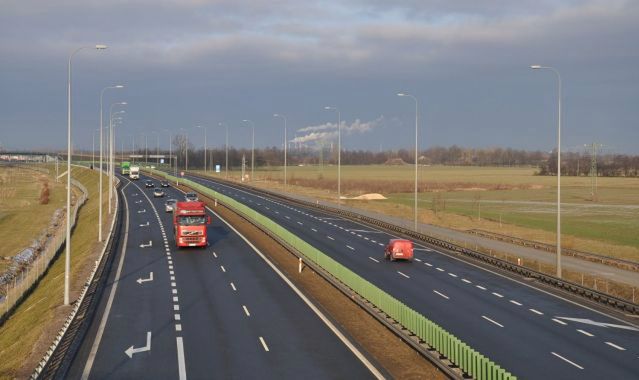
x,y
529,331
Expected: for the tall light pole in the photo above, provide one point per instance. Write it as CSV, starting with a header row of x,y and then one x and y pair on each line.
x,y
539,67
416,128
339,153
170,148
252,147
101,158
201,127
111,150
93,150
67,260
285,144
226,150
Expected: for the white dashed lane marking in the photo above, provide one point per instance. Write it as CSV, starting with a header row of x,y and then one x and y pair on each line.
x,y
375,260
491,321
586,333
441,294
536,311
403,274
567,361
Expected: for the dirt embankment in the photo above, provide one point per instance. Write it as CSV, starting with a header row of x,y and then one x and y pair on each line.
x,y
388,350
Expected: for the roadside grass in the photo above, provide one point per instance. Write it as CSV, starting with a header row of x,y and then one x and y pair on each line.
x,y
22,217
524,202
26,335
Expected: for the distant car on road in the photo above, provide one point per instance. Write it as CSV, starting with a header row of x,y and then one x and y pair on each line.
x,y
149,184
158,193
169,205
164,183
399,249
191,197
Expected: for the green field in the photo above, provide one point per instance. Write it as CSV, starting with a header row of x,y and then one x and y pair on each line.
x,y
22,217
525,202
32,323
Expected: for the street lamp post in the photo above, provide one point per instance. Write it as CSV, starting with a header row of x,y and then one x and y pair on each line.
x,y
199,126
559,91
252,147
101,158
67,260
93,150
285,144
226,150
111,161
416,128
339,153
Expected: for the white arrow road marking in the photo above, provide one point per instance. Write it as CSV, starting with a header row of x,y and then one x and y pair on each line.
x,y
130,351
600,324
147,245
141,280
145,225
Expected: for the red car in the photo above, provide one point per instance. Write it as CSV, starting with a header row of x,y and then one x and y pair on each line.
x,y
399,249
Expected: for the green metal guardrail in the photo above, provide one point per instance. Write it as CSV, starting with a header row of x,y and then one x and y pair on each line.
x,y
459,353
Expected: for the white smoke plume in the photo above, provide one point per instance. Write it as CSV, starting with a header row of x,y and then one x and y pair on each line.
x,y
328,131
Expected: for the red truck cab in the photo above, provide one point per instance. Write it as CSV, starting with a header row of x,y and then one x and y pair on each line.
x,y
399,249
189,224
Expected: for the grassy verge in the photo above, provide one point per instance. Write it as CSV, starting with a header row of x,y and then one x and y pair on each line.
x,y
22,217
27,334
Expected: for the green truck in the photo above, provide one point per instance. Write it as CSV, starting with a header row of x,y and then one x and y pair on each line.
x,y
125,167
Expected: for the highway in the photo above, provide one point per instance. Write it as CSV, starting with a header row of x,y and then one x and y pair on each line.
x,y
532,333
215,312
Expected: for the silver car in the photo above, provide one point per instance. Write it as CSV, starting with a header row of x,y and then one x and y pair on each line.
x,y
191,197
169,205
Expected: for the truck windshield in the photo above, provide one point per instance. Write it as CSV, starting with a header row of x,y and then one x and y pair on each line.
x,y
191,220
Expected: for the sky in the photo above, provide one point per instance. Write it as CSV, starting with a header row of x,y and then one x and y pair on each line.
x,y
186,63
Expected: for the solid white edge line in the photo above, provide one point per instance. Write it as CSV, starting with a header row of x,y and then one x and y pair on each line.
x,y
180,356
491,321
567,361
107,310
324,319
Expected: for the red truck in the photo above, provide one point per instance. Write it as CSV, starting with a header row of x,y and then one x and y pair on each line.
x,y
189,224
399,249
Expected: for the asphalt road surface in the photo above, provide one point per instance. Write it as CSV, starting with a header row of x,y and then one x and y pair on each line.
x,y
215,312
530,332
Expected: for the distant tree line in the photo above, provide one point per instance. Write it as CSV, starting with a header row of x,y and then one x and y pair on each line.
x,y
581,164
